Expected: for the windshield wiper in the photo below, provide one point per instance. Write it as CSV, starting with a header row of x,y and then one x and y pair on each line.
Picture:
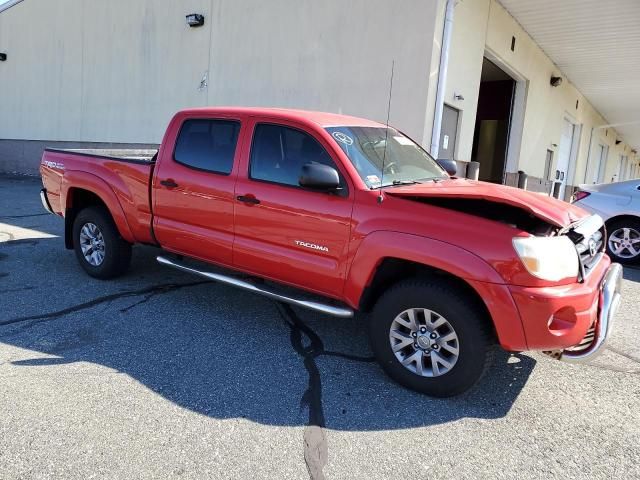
x,y
397,183
404,182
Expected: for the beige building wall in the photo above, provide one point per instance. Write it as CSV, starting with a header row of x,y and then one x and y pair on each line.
x,y
484,27
115,71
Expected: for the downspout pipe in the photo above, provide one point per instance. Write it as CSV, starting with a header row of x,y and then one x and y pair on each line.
x,y
442,77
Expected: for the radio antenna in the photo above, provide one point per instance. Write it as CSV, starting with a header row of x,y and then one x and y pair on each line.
x,y
386,133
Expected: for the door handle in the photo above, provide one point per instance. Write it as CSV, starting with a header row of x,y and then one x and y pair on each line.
x,y
250,200
169,183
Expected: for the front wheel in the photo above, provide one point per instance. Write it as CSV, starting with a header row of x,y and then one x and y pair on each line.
x,y
431,337
100,250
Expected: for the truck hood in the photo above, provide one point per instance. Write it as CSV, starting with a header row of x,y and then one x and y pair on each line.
x,y
551,210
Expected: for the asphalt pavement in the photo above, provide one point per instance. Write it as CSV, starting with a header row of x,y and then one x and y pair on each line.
x,y
160,375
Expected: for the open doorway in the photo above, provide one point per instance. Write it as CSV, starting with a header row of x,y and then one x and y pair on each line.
x,y
493,122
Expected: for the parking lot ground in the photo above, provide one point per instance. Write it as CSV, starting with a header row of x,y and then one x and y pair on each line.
x,y
160,375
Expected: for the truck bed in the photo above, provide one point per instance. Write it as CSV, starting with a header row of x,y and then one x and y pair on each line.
x,y
119,177
125,154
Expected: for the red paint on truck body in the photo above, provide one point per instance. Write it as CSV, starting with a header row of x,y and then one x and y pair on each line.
x,y
333,244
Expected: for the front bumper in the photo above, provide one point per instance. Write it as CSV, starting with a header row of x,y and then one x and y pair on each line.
x,y
609,301
558,317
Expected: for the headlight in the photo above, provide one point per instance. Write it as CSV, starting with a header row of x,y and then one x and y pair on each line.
x,y
549,258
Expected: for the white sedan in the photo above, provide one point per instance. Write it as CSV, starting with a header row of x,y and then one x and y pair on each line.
x,y
619,206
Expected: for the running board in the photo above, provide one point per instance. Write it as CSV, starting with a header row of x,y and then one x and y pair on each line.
x,y
342,312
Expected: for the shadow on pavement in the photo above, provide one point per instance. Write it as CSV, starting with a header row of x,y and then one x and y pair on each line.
x,y
218,351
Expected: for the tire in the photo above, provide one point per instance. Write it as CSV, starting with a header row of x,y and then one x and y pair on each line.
x,y
462,316
111,255
624,237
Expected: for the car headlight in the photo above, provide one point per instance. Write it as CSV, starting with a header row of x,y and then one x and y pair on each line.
x,y
549,258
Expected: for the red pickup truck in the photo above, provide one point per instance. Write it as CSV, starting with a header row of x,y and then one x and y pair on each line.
x,y
340,214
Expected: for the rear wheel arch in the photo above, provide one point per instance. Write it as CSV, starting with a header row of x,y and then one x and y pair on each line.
x,y
98,194
77,200
99,247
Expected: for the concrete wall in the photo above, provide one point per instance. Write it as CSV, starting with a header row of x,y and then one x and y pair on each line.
x,y
115,71
484,27
98,71
23,156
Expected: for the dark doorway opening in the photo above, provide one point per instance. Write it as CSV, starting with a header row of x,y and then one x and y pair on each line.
x,y
493,121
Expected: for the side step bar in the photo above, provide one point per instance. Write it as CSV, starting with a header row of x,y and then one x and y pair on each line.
x,y
342,312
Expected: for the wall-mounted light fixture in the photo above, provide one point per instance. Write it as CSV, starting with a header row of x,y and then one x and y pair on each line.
x,y
555,81
458,96
195,20
3,57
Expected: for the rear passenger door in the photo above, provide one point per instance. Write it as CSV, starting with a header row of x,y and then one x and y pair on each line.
x,y
193,189
283,231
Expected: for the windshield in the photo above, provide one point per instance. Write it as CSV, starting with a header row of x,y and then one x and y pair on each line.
x,y
404,160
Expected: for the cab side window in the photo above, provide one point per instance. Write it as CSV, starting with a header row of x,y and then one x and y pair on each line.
x,y
208,145
278,154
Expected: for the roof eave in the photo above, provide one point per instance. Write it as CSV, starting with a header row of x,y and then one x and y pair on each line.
x,y
9,4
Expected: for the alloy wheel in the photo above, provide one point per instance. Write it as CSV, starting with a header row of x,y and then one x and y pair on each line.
x,y
424,342
92,244
625,243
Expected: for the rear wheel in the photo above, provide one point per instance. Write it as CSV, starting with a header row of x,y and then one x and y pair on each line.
x,y
100,250
623,244
431,337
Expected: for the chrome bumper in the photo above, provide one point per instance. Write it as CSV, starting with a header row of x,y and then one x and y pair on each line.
x,y
609,302
45,200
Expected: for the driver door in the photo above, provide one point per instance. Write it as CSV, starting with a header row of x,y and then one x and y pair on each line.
x,y
283,231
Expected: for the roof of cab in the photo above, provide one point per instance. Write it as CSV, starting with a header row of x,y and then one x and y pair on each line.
x,y
323,119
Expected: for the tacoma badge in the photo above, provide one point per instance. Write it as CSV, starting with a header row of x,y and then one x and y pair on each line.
x,y
313,246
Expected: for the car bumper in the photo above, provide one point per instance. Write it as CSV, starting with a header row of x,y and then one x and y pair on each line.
x,y
571,322
45,201
609,301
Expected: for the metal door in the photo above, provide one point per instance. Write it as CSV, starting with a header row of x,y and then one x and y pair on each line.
x,y
564,156
448,133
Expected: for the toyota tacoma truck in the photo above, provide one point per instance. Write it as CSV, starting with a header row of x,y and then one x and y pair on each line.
x,y
339,215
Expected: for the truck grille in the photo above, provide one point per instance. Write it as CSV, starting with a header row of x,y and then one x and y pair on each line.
x,y
589,237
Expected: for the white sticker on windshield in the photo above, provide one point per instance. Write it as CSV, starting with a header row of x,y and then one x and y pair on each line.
x,y
373,180
343,138
403,140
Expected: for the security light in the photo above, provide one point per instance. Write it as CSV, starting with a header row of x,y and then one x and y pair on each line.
x,y
195,20
3,57
555,81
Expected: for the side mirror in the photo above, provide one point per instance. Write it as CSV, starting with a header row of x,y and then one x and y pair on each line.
x,y
449,166
319,177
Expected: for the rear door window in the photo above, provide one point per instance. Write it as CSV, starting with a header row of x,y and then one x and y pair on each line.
x,y
208,145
